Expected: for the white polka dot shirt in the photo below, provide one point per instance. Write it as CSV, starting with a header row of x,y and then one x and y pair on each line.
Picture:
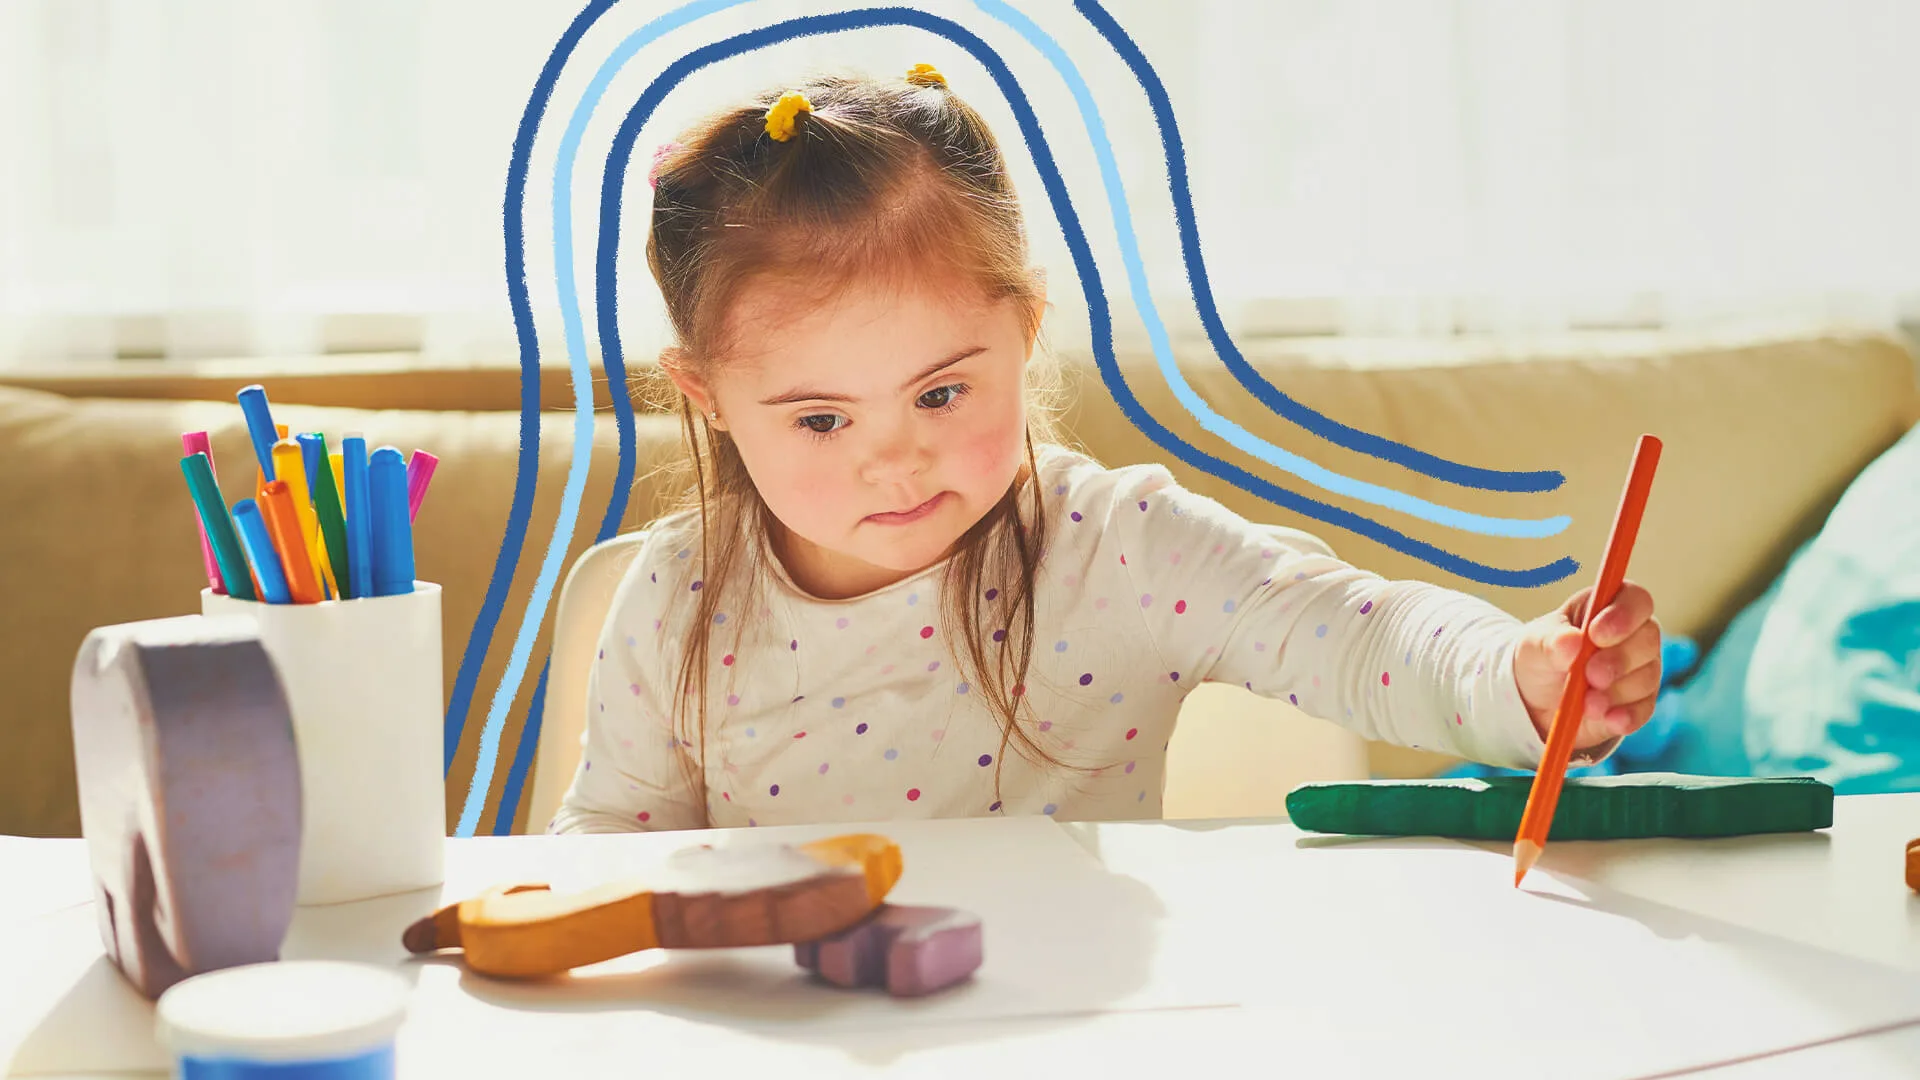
x,y
854,710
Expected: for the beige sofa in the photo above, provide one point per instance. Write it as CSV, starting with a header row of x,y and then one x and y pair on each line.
x,y
1762,434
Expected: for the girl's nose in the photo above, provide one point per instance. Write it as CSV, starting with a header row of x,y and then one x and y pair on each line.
x,y
901,456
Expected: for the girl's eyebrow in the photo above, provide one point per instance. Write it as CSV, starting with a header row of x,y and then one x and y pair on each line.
x,y
808,393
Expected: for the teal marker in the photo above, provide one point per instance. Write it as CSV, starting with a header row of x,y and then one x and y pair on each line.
x,y
219,525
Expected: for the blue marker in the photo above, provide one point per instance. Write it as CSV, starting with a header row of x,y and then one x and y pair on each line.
x,y
313,454
392,523
353,462
259,548
253,406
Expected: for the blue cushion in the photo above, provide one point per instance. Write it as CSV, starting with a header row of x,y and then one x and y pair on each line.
x,y
1821,675
1832,688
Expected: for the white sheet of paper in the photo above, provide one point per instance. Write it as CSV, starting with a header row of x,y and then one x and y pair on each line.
x,y
1063,936
1561,978
57,870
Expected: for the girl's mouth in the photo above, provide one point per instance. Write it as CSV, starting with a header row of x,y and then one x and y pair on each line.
x,y
907,517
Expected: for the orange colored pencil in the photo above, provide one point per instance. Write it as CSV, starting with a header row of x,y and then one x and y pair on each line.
x,y
283,524
1537,821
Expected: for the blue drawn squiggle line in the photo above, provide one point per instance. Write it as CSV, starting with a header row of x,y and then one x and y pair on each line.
x,y
562,536
527,468
1195,405
1269,395
606,277
607,316
582,457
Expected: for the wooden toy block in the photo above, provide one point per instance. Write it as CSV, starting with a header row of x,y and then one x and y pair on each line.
x,y
189,796
1633,806
1913,865
729,897
908,950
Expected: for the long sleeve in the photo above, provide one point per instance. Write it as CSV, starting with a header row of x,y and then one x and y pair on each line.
x,y
1271,609
633,774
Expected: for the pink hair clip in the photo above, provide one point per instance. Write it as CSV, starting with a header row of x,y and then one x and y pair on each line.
x,y
659,155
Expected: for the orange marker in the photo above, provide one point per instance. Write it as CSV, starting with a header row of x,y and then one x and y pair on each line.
x,y
289,465
1537,821
284,526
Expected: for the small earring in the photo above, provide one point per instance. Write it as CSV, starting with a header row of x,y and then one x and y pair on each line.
x,y
714,416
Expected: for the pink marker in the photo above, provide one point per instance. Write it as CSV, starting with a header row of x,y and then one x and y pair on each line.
x,y
195,442
419,474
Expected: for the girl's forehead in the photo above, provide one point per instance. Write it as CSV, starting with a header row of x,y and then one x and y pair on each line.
x,y
778,327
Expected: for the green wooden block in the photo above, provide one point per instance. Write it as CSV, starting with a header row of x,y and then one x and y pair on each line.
x,y
1630,807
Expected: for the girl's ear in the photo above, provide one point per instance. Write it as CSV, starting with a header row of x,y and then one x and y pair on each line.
x,y
673,361
1039,306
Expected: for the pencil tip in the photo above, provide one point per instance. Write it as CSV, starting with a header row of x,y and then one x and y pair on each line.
x,y
1525,854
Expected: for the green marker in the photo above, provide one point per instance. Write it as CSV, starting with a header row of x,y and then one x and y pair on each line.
x,y
219,525
326,504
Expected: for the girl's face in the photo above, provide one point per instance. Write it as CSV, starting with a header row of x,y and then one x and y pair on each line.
x,y
878,425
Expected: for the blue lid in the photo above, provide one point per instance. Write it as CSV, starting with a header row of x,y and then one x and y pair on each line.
x,y
338,1017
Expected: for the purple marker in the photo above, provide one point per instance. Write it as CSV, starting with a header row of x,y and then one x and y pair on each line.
x,y
419,474
907,949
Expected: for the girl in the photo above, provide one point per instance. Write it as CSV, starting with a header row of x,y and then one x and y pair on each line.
x,y
892,595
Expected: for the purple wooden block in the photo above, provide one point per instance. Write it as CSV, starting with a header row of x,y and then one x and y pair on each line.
x,y
189,795
909,950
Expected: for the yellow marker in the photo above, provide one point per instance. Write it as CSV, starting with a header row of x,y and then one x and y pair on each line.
x,y
340,479
289,464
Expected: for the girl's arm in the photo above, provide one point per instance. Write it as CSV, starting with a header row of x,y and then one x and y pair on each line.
x,y
1272,610
633,775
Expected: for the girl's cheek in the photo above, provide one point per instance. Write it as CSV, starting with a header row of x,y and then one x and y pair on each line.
x,y
997,444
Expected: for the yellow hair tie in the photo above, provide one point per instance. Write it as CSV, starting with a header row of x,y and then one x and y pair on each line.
x,y
925,75
780,118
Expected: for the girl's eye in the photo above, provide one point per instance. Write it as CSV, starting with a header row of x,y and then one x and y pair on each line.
x,y
821,424
942,398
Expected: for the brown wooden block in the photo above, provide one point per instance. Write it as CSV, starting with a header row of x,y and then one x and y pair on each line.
x,y
729,897
1913,865
189,796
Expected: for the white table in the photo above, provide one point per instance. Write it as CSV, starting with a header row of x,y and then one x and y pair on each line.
x,y
1175,947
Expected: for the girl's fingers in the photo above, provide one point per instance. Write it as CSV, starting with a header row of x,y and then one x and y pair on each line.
x,y
1610,665
1642,682
1631,610
1601,721
1627,720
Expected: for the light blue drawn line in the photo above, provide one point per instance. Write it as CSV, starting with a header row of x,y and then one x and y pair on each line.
x,y
582,459
1196,406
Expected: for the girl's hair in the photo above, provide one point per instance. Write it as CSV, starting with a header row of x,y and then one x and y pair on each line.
x,y
880,181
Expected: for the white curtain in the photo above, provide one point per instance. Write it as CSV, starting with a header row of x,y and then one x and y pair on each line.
x,y
205,178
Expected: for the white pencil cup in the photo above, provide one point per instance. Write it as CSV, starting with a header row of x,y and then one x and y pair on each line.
x,y
363,681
